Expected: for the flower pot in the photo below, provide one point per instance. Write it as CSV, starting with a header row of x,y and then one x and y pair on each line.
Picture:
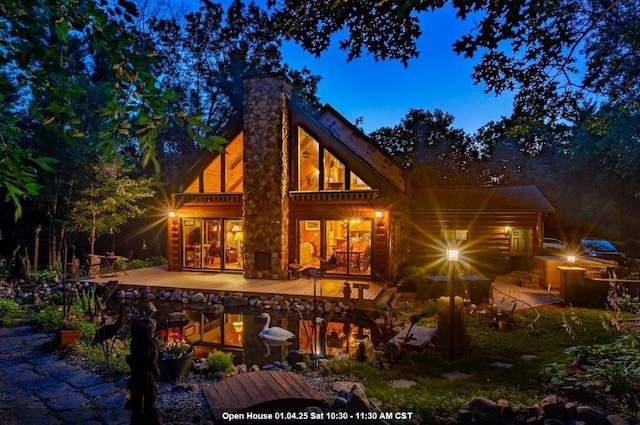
x,y
173,368
69,336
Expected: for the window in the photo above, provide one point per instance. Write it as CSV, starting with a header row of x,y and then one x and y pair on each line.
x,y
455,235
213,180
320,169
347,241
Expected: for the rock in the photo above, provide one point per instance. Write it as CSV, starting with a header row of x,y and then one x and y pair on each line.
x,y
483,405
591,415
553,407
616,420
198,298
176,295
340,386
357,400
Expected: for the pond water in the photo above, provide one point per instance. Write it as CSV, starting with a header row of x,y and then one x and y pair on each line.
x,y
237,330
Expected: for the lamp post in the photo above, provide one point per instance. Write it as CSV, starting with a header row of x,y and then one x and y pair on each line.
x,y
37,248
453,256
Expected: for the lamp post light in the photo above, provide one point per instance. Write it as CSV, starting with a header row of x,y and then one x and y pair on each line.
x,y
37,248
453,256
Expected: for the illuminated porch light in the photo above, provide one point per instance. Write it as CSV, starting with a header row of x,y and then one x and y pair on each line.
x,y
380,217
507,230
453,254
571,259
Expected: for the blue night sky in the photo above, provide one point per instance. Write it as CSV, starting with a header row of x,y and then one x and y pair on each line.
x,y
383,92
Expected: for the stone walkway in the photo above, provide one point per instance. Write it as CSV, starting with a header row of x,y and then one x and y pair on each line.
x,y
38,388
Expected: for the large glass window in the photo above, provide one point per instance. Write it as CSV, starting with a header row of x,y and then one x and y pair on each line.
x,y
334,173
233,165
319,169
213,180
308,162
212,243
346,244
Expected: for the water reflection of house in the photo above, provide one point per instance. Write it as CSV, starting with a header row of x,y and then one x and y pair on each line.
x,y
293,186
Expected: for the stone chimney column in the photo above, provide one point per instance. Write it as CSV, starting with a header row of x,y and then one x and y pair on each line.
x,y
266,176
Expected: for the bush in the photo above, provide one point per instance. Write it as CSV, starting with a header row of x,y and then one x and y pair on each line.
x,y
8,311
48,319
219,361
149,262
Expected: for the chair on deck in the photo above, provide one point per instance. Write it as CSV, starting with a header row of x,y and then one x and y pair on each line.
x,y
93,265
127,263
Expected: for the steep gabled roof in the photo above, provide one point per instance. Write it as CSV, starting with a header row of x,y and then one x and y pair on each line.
x,y
495,199
204,157
352,137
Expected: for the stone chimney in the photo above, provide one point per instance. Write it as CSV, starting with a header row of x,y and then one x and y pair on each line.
x,y
266,176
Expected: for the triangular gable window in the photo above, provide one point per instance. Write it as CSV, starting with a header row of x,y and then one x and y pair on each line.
x,y
213,179
320,169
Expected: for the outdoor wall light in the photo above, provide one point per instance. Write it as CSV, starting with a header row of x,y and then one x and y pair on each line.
x,y
453,254
571,259
172,215
380,217
507,230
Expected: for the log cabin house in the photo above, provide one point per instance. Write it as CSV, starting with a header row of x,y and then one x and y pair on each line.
x,y
300,187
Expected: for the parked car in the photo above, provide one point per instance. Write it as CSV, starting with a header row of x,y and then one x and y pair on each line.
x,y
601,248
553,243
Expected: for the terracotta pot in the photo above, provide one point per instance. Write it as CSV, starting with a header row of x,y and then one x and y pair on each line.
x,y
69,336
174,368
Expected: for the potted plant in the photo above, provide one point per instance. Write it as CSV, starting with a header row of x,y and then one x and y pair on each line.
x,y
175,354
71,328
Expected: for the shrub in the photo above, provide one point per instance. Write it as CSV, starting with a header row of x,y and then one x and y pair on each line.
x,y
219,361
149,262
8,311
48,319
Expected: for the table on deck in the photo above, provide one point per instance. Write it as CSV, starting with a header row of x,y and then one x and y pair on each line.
x,y
108,266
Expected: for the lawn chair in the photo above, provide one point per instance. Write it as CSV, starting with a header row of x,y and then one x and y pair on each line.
x,y
127,263
93,265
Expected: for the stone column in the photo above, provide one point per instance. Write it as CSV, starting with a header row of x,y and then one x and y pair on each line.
x,y
266,176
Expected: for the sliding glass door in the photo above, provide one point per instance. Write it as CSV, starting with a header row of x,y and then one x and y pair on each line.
x,y
345,243
213,243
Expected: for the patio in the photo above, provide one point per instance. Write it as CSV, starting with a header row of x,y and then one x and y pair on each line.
x,y
327,287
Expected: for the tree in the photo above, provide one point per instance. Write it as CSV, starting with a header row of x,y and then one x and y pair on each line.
x,y
426,144
110,200
35,63
532,47
204,56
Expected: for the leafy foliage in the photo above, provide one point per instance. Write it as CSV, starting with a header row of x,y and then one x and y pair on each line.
x,y
220,361
532,48
8,311
47,50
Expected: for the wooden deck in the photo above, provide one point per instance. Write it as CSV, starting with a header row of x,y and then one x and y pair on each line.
x,y
327,287
256,390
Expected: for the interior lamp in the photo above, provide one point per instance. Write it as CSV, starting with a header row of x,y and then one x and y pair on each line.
x,y
238,236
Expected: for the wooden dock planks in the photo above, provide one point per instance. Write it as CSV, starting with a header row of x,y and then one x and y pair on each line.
x,y
248,390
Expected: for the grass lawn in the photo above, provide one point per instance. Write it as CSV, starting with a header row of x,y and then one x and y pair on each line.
x,y
525,382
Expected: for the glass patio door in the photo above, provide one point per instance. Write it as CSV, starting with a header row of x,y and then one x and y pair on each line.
x,y
345,242
212,244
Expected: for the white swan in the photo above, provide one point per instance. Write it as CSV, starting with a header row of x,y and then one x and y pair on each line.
x,y
275,333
